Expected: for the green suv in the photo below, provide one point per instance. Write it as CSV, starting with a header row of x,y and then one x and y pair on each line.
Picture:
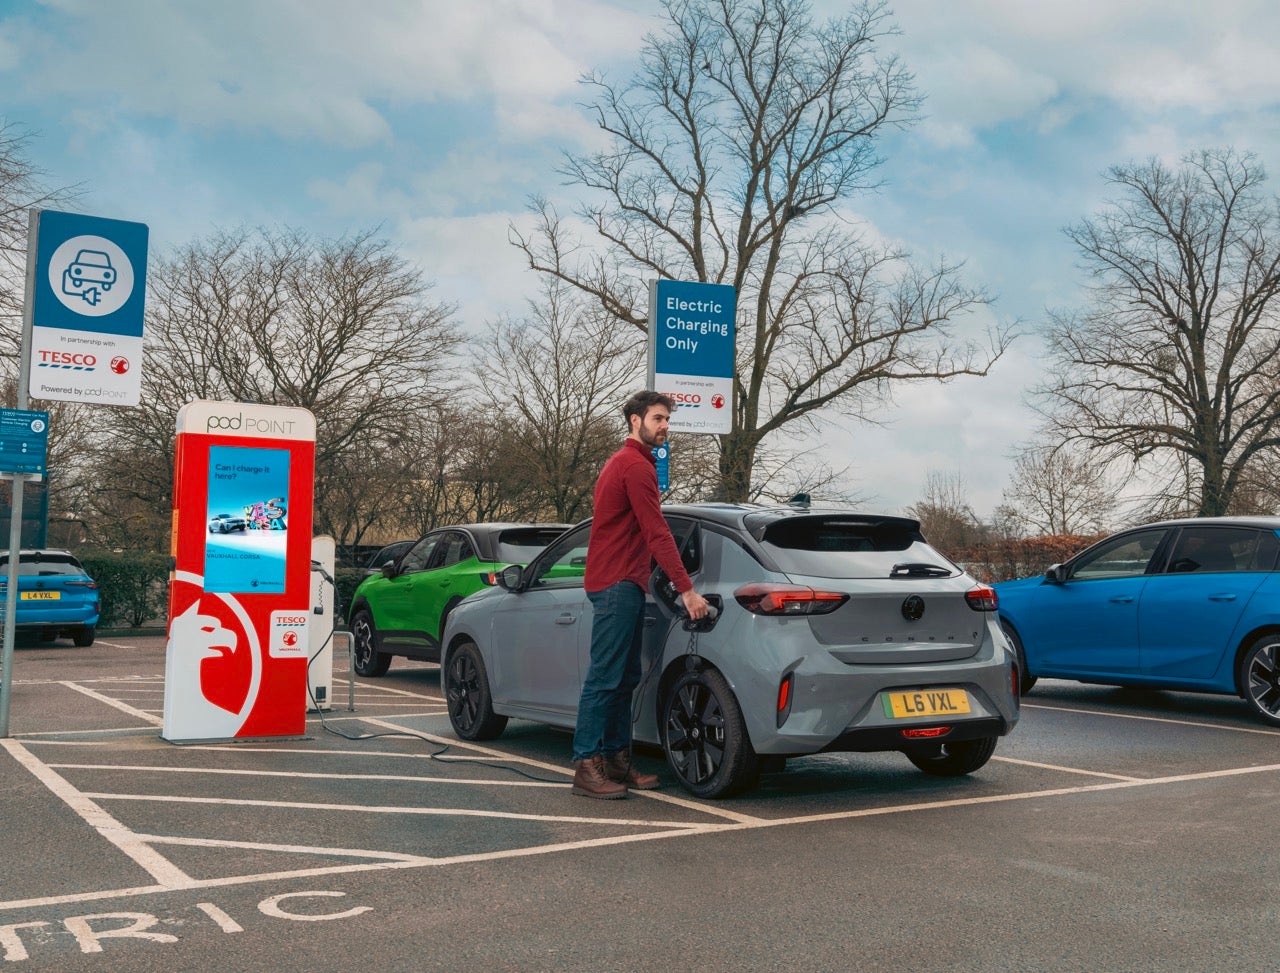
x,y
403,609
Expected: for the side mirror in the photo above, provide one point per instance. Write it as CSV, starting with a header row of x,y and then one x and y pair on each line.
x,y
511,577
389,569
1057,574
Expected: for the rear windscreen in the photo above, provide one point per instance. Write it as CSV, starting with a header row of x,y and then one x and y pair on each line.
x,y
852,549
519,544
47,566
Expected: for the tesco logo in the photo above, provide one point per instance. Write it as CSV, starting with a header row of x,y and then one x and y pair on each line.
x,y
67,358
687,398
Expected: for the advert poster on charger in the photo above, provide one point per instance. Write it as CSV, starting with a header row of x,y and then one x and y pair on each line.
x,y
248,520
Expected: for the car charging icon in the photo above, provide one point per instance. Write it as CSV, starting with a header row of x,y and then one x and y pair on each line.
x,y
89,276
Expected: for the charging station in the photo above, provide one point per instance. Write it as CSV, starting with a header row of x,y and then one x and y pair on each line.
x,y
241,593
324,556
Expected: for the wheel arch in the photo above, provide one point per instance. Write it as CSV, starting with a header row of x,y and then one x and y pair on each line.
x,y
1245,644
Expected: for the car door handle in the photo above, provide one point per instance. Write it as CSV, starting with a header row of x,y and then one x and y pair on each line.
x,y
1222,597
650,621
566,619
1122,599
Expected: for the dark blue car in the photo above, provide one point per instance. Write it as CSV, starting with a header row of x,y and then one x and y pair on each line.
x,y
1184,604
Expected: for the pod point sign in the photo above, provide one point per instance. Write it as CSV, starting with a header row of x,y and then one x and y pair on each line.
x,y
691,352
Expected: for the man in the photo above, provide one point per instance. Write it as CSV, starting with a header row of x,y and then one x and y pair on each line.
x,y
627,533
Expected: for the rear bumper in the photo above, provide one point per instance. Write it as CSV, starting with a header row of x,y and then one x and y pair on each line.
x,y
840,707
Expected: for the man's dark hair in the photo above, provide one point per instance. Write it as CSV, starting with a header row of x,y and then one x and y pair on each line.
x,y
640,404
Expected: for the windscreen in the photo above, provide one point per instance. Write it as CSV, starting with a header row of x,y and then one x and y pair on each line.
x,y
518,545
833,547
46,566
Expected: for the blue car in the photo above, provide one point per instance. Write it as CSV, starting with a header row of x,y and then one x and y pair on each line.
x,y
1188,604
56,596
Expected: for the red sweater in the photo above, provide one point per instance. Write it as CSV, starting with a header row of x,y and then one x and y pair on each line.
x,y
627,529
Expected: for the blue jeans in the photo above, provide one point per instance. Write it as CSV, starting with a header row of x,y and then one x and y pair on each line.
x,y
604,711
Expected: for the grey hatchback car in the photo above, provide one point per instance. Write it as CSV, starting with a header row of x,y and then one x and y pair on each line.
x,y
836,631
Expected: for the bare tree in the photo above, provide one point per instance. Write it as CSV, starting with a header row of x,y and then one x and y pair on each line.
x,y
1060,490
557,379
21,189
746,126
946,518
340,327
1176,359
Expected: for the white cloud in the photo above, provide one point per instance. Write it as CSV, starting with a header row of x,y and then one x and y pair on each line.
x,y
326,69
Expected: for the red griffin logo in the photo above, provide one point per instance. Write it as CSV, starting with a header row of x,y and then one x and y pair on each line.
x,y
290,639
717,400
119,364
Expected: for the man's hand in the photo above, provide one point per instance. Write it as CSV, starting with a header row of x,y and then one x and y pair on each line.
x,y
694,604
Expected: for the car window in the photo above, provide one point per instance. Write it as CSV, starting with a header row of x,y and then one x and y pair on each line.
x,y
564,563
1203,550
44,565
420,554
1127,556
454,549
520,545
688,542
853,547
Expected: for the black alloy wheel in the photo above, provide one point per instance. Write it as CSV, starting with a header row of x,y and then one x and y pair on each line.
x,y
466,692
705,738
83,636
368,660
1260,677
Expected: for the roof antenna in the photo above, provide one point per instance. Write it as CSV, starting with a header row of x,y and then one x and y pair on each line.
x,y
799,500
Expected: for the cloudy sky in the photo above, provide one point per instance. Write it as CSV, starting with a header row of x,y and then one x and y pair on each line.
x,y
436,120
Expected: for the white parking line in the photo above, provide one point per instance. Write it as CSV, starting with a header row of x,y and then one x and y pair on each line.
x,y
157,866
555,768
122,707
388,809
1065,770
1151,719
300,775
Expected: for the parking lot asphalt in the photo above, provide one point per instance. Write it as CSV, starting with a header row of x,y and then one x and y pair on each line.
x,y
1113,830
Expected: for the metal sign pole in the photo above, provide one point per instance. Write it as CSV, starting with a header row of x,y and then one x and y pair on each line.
x,y
19,480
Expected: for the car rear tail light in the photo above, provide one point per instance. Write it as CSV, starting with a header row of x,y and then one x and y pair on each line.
x,y
767,598
785,689
489,577
1017,681
80,584
982,598
926,732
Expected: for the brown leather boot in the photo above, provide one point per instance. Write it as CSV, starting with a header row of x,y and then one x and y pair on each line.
x,y
619,768
590,780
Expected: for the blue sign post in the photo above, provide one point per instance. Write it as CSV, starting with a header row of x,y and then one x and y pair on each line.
x,y
24,440
85,308
691,352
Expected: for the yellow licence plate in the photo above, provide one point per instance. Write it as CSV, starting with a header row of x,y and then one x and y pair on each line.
x,y
40,595
925,702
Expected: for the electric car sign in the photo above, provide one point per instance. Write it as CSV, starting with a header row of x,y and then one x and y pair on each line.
x,y
691,352
87,308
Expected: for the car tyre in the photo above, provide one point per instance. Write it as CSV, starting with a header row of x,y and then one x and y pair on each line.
x,y
368,660
1260,677
705,737
954,759
83,636
1025,680
466,692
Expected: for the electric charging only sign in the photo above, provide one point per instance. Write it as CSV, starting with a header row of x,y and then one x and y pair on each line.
x,y
691,352
87,308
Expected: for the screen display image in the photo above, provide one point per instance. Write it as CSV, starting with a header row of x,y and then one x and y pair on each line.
x,y
248,520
